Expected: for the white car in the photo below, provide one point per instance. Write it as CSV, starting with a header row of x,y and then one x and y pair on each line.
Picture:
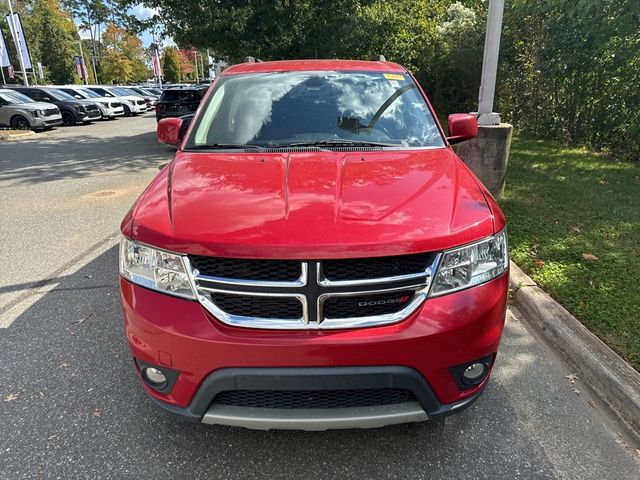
x,y
132,104
109,107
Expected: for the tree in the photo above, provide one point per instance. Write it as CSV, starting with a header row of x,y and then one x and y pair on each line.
x,y
116,67
126,50
170,65
53,40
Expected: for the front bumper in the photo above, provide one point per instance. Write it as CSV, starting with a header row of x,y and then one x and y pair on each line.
x,y
109,112
425,405
446,331
45,122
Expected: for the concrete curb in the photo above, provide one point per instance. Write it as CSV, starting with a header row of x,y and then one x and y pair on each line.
x,y
16,136
613,379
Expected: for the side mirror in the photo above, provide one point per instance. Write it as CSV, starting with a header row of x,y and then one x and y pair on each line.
x,y
170,131
462,126
46,99
78,97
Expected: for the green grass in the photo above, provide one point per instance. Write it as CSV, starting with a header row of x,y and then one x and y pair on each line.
x,y
562,203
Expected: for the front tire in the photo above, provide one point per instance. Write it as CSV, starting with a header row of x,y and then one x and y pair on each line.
x,y
68,118
127,111
20,123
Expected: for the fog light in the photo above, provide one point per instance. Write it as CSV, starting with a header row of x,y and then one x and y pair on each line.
x,y
155,376
474,373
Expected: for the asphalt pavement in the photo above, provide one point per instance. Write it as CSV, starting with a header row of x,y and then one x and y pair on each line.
x,y
71,406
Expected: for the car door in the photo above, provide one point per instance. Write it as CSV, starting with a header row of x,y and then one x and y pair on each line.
x,y
5,112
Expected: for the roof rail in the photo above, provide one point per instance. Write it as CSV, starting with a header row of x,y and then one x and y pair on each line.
x,y
249,60
378,58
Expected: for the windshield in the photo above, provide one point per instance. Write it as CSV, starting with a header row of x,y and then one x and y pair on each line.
x,y
86,93
15,98
316,108
124,91
59,94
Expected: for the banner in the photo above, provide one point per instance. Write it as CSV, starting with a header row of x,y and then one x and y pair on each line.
x,y
20,39
4,53
81,68
155,61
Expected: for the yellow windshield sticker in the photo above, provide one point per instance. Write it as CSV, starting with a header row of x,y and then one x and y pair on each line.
x,y
393,76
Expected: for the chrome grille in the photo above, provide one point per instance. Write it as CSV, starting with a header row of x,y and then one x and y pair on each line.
x,y
326,294
51,111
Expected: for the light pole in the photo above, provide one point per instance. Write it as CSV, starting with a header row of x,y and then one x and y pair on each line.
x,y
486,115
17,42
487,155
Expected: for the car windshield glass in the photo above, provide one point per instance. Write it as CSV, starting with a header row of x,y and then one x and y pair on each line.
x,y
124,91
15,97
58,94
308,108
186,95
87,93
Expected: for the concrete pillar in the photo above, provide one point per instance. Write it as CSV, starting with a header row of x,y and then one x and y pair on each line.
x,y
487,155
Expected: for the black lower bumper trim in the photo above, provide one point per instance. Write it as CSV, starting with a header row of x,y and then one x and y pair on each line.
x,y
329,378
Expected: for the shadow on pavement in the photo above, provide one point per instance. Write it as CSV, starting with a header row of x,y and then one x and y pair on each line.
x,y
35,161
80,413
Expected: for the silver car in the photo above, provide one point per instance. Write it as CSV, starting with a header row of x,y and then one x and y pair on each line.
x,y
21,113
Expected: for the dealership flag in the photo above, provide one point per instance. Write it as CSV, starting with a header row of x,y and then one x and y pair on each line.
x,y
20,39
40,72
81,68
4,53
155,61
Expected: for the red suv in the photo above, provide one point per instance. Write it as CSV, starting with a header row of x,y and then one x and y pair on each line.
x,y
315,256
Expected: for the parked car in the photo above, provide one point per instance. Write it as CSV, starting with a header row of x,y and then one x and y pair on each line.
x,y
109,108
180,100
132,104
73,111
20,112
315,256
149,97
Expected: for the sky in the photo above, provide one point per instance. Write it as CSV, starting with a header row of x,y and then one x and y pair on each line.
x,y
142,12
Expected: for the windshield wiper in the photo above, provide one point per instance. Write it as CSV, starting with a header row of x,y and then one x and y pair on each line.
x,y
223,146
335,143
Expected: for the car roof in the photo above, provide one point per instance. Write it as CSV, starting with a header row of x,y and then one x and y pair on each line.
x,y
306,65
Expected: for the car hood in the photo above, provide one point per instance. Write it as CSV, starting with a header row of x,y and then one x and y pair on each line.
x,y
311,204
37,106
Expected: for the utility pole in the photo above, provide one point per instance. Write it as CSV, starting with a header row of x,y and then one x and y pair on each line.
x,y
17,42
487,155
486,115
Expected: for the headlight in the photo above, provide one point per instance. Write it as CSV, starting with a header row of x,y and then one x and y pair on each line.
x,y
42,113
105,104
155,269
35,113
78,108
472,265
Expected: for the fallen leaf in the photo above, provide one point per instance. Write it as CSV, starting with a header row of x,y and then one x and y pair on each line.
x,y
96,413
572,377
590,257
64,365
603,181
52,437
574,229
638,452
41,395
10,397
577,392
593,404
538,263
